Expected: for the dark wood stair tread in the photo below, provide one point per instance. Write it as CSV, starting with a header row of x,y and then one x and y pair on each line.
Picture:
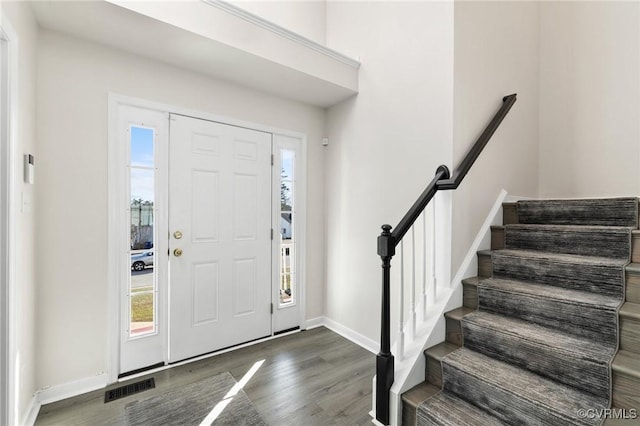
x,y
633,268
419,394
458,313
473,280
627,363
630,310
440,350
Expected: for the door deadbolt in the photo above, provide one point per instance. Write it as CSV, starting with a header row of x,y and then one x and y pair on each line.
x,y
177,235
177,252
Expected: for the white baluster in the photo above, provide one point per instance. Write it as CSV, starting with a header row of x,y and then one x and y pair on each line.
x,y
434,280
412,294
424,265
401,324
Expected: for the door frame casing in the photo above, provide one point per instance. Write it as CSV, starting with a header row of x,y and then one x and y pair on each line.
x,y
115,221
8,326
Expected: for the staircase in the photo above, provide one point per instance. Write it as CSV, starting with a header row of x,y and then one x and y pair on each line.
x,y
549,331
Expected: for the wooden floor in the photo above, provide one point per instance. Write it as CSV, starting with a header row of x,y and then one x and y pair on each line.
x,y
314,377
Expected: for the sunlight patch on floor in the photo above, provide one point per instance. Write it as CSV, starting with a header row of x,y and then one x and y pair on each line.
x,y
220,406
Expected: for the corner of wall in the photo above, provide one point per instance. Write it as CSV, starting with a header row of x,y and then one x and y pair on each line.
x,y
31,412
22,356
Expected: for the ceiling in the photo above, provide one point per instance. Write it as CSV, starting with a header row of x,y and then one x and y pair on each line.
x,y
122,28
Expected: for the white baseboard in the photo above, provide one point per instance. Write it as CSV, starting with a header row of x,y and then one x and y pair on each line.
x,y
372,413
314,323
67,390
60,392
515,198
32,412
357,338
349,334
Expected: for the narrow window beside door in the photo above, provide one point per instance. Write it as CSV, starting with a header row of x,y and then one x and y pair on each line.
x,y
143,282
287,228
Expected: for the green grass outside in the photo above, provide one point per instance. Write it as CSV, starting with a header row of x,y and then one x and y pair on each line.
x,y
142,307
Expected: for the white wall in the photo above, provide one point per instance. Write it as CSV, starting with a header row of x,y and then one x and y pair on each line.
x,y
305,17
74,78
385,143
22,21
496,54
589,99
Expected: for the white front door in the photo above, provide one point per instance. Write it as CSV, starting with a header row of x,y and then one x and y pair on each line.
x,y
219,236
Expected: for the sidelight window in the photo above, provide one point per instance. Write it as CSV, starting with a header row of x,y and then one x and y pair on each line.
x,y
143,279
287,228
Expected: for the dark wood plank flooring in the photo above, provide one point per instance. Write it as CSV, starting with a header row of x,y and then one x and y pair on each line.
x,y
314,377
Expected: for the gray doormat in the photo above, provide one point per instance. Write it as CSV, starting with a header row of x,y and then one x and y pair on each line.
x,y
192,403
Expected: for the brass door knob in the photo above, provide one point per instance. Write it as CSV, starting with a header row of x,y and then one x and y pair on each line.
x,y
177,252
177,235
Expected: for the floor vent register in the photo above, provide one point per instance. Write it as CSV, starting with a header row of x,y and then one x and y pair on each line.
x,y
130,389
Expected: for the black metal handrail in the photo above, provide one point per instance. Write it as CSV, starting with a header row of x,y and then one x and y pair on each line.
x,y
388,240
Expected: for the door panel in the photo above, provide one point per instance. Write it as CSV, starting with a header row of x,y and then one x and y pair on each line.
x,y
205,217
220,202
205,289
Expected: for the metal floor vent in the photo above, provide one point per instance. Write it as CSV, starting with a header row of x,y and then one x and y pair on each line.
x,y
130,389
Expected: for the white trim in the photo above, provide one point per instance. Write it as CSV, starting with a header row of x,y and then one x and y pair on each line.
x,y
8,330
114,101
314,323
120,99
514,198
349,334
113,267
32,412
60,392
302,233
71,389
372,413
282,32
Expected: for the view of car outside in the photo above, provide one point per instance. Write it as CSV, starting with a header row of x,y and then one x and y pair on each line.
x,y
139,261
